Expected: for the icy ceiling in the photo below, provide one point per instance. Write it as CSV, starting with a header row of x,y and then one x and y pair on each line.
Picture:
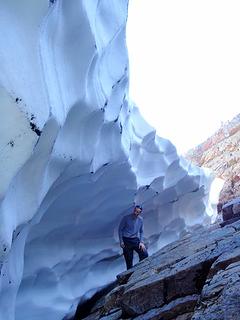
x,y
75,156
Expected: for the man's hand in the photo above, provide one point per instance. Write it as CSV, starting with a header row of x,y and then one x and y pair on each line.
x,y
122,245
142,246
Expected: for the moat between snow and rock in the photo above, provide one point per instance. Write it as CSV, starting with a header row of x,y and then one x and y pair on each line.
x,y
196,277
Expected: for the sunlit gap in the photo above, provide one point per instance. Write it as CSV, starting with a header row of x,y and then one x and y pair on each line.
x,y
185,66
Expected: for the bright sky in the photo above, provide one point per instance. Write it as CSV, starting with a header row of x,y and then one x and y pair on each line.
x,y
185,65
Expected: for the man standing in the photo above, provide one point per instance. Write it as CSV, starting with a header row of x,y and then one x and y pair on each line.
x,y
130,227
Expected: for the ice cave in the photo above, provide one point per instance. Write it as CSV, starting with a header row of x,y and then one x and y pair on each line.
x,y
76,155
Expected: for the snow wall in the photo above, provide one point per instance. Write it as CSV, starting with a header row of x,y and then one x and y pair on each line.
x,y
75,156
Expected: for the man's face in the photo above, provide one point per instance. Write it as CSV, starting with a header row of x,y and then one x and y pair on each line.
x,y
137,211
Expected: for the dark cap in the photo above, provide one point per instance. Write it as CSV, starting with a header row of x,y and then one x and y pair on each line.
x,y
138,207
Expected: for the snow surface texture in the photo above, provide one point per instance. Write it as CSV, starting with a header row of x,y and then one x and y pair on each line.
x,y
75,155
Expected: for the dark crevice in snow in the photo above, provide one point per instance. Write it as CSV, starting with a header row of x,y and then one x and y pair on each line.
x,y
35,128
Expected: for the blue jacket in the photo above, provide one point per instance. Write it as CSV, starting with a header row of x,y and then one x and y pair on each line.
x,y
130,227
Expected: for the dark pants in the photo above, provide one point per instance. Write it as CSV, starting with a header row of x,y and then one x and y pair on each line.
x,y
130,245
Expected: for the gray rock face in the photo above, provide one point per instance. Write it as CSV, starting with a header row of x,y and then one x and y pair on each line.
x,y
220,298
197,277
171,310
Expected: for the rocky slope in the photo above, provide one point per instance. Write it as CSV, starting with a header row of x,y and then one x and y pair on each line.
x,y
221,153
196,277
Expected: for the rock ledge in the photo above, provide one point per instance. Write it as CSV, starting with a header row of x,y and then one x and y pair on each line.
x,y
197,277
